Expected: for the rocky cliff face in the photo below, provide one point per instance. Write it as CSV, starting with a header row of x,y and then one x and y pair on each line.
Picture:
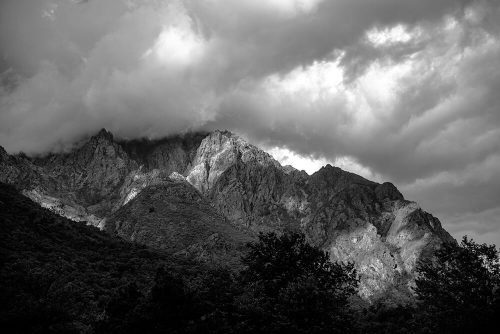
x,y
350,217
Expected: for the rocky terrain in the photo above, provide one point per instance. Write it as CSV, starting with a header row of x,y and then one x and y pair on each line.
x,y
226,189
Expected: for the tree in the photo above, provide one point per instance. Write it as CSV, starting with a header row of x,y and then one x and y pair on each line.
x,y
291,286
120,310
458,289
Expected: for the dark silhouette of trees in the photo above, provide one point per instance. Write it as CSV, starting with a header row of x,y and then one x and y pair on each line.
x,y
58,275
459,288
291,286
61,276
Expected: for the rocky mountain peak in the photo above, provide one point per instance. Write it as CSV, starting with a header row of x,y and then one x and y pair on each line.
x,y
103,134
387,190
218,152
3,154
245,151
330,180
329,171
329,167
350,217
100,147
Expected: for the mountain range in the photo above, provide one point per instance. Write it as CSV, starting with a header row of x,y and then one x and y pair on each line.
x,y
208,194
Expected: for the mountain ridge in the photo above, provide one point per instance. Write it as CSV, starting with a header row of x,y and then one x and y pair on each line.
x,y
350,217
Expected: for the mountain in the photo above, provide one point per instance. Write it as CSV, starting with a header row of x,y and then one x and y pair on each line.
x,y
230,189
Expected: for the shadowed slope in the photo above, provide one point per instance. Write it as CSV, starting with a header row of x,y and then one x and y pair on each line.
x,y
174,217
57,275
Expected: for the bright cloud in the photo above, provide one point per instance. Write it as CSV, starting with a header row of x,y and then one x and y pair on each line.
x,y
388,36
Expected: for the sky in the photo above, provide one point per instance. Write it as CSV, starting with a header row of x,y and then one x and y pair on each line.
x,y
406,91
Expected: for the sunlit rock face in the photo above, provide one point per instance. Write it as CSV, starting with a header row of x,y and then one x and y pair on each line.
x,y
245,183
351,218
220,151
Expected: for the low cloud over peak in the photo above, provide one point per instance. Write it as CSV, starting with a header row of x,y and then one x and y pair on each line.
x,y
398,90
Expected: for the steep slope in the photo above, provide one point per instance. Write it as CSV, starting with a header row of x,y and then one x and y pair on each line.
x,y
372,224
36,183
172,154
174,217
22,173
57,275
92,174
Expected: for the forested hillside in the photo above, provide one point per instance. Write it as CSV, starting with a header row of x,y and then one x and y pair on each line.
x,y
59,275
62,276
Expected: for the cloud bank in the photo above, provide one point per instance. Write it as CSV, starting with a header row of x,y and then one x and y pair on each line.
x,y
397,90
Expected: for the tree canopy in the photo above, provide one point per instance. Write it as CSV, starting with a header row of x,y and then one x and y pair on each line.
x,y
459,288
294,287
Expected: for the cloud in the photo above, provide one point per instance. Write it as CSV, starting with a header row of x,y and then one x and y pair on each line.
x,y
398,90
466,199
134,78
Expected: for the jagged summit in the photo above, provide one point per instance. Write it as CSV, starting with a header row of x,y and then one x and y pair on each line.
x,y
388,190
174,153
104,134
335,171
3,153
226,133
348,216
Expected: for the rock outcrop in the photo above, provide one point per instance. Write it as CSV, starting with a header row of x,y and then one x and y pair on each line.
x,y
236,183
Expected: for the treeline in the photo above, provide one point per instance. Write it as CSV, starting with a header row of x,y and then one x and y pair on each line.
x,y
456,291
59,276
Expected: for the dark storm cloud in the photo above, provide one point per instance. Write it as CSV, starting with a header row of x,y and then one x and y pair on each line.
x,y
86,64
405,90
279,36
